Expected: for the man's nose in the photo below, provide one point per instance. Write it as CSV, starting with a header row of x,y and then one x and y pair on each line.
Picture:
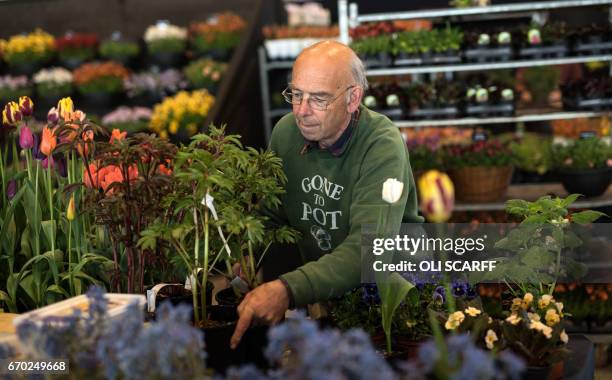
x,y
302,109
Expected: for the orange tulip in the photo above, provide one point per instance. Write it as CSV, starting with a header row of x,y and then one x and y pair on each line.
x,y
117,135
49,141
106,176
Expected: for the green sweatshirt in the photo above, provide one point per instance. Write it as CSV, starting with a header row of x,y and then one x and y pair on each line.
x,y
329,197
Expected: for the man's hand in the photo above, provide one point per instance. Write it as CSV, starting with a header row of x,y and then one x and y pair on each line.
x,y
266,303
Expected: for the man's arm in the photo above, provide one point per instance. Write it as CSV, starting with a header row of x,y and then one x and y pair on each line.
x,y
336,273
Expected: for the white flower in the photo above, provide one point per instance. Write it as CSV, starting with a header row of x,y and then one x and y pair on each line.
x,y
164,30
490,339
563,337
392,190
56,75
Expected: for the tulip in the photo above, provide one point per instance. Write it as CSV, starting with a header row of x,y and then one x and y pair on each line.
x,y
70,211
117,135
26,106
11,114
83,146
392,190
26,138
437,196
11,189
65,108
49,141
53,116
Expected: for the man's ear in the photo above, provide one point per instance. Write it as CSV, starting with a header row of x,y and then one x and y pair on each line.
x,y
355,96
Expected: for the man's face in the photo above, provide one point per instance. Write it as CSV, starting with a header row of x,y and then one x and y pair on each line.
x,y
315,78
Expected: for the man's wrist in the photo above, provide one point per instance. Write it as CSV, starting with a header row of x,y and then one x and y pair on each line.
x,y
289,293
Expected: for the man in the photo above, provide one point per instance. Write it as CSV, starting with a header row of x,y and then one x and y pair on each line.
x,y
336,155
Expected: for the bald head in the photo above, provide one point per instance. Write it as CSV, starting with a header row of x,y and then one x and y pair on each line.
x,y
335,57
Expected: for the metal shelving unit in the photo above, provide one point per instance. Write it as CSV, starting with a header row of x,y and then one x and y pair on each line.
x,y
532,192
486,66
497,120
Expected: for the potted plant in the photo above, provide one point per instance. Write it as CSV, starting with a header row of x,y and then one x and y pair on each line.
x,y
166,44
424,155
481,171
182,115
51,84
584,166
204,73
25,54
75,48
533,155
219,189
386,98
374,51
100,83
150,87
118,50
12,87
128,119
543,41
218,36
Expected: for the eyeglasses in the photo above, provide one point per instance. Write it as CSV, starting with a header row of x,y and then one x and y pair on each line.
x,y
315,102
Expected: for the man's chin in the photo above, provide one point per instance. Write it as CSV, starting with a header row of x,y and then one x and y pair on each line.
x,y
309,133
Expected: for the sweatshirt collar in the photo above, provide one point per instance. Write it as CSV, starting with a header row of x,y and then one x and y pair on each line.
x,y
338,147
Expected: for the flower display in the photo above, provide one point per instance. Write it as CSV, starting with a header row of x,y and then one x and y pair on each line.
x,y
11,87
273,32
221,32
53,82
117,49
37,46
164,37
480,153
186,111
104,77
158,83
128,119
77,46
204,73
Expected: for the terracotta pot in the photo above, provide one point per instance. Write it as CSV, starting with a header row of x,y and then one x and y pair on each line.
x,y
481,183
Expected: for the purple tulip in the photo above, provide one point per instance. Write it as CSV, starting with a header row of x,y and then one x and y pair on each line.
x,y
26,139
53,116
11,189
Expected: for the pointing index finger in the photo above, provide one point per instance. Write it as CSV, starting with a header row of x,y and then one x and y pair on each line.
x,y
246,316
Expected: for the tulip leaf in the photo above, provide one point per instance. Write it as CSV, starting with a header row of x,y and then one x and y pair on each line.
x,y
392,290
58,289
8,301
49,228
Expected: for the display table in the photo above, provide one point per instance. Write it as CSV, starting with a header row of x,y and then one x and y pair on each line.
x,y
6,324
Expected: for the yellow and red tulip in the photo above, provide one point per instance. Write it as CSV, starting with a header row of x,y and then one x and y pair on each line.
x,y
11,114
26,106
437,196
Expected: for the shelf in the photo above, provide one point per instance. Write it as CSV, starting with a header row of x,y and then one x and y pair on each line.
x,y
498,120
502,8
486,66
532,192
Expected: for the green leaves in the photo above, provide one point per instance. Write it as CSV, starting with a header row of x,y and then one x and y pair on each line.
x,y
393,289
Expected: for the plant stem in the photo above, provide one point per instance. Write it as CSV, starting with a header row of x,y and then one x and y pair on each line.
x,y
51,204
194,283
72,288
205,267
36,208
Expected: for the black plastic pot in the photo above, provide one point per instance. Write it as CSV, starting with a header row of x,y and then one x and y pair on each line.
x,y
227,297
217,338
72,63
590,183
166,60
536,373
25,68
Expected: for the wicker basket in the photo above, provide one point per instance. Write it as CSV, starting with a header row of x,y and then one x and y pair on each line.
x,y
481,183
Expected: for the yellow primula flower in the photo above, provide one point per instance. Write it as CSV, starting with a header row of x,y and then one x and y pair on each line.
x,y
490,339
513,319
551,317
454,320
563,337
528,298
533,316
539,326
559,306
545,300
472,311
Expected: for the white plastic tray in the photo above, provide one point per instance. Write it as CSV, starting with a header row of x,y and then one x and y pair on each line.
x,y
117,305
